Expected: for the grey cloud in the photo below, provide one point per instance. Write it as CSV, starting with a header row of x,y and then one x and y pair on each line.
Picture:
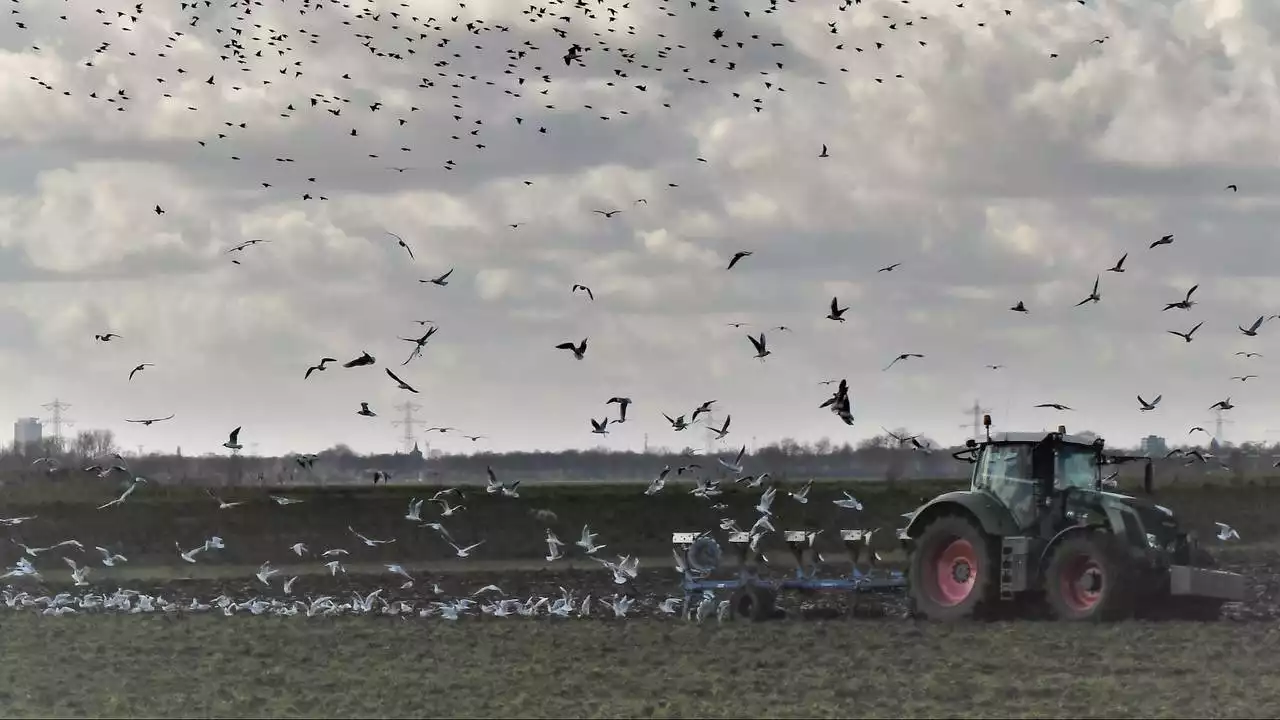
x,y
991,172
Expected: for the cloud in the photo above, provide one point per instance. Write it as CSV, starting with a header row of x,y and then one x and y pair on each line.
x,y
957,146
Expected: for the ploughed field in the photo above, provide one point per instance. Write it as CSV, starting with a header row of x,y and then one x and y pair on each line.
x,y
834,656
146,526
202,666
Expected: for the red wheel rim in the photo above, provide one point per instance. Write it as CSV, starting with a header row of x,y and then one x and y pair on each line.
x,y
955,568
1082,583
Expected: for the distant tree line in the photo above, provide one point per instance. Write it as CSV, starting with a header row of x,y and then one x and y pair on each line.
x,y
882,457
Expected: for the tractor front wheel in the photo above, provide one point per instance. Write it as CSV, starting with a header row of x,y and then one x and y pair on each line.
x,y
952,570
1088,578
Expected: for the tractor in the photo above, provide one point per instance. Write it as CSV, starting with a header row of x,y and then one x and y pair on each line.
x,y
1039,527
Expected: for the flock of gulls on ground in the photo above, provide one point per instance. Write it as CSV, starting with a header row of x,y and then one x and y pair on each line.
x,y
250,53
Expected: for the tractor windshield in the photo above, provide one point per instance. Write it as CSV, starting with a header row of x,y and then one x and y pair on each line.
x,y
1077,467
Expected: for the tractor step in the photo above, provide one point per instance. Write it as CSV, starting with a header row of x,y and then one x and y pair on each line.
x,y
1013,565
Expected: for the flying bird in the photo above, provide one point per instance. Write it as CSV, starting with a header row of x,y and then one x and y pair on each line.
x,y
442,280
1165,240
1253,329
320,366
1186,335
903,356
138,369
837,312
1145,406
623,403
1094,295
1119,266
1185,303
762,350
579,350
151,420
400,241
738,256
107,337
576,287
401,383
364,359
233,441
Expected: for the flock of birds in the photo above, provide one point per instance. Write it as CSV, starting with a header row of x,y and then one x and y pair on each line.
x,y
253,57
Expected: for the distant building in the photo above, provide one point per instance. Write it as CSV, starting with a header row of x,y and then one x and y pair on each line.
x,y
28,433
1153,445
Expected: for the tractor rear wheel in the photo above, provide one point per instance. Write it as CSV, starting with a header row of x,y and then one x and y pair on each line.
x,y
1088,578
952,570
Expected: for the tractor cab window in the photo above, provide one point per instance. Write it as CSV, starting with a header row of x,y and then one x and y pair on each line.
x,y
1076,467
1005,472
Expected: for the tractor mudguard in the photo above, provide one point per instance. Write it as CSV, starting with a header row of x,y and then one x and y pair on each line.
x,y
1047,551
993,517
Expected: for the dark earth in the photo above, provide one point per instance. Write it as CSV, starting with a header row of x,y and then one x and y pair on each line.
x,y
834,655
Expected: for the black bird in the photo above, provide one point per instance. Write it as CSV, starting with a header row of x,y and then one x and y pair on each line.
x,y
1185,303
364,359
1166,240
1186,335
400,241
1020,307
576,287
1253,329
837,312
403,385
1119,266
738,256
578,350
313,368
903,356
1094,296
622,402
441,281
762,349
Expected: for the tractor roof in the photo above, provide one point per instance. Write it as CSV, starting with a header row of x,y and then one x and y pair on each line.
x,y
1035,437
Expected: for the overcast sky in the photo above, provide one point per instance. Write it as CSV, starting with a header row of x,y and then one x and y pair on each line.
x,y
990,170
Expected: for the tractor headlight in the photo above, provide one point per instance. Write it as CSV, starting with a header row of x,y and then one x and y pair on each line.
x,y
1153,541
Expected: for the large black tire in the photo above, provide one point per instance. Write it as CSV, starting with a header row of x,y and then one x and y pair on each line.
x,y
754,602
1089,579
953,571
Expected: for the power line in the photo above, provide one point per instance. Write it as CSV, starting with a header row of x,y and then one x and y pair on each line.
x,y
57,420
977,411
408,422
1218,422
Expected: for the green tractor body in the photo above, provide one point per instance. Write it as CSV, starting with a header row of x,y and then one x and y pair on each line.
x,y
1039,525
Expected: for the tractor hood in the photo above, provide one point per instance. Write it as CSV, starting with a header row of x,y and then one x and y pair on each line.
x,y
1156,519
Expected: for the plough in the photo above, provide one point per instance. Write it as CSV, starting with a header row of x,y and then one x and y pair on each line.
x,y
753,597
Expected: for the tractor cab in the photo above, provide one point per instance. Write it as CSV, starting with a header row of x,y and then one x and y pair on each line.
x,y
1024,471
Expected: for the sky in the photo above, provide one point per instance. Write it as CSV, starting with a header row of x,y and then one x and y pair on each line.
x,y
996,152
